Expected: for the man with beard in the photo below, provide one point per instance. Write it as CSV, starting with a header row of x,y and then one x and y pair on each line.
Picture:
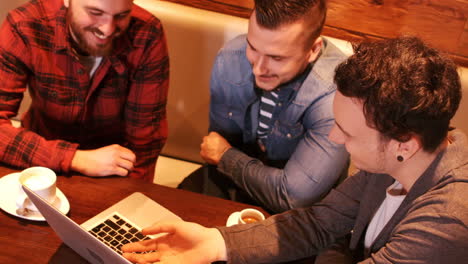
x,y
271,111
97,72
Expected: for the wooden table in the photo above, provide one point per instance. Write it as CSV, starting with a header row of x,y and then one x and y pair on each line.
x,y
25,241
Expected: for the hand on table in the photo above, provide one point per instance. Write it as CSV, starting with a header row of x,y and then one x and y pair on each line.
x,y
213,148
184,243
105,161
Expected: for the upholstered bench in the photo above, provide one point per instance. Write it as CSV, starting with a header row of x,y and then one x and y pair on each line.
x,y
194,38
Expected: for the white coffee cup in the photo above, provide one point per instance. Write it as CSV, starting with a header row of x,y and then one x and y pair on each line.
x,y
250,215
40,180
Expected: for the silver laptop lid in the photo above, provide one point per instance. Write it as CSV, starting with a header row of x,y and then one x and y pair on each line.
x,y
73,235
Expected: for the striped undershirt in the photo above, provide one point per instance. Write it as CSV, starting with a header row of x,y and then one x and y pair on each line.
x,y
268,102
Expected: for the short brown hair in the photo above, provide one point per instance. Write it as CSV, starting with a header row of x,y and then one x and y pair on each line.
x,y
406,87
272,14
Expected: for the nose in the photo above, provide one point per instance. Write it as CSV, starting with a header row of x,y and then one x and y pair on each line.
x,y
108,27
259,66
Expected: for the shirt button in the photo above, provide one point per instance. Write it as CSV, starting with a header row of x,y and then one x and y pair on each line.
x,y
80,71
280,104
230,114
288,135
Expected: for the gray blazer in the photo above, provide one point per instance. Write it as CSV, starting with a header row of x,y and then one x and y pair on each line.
x,y
430,226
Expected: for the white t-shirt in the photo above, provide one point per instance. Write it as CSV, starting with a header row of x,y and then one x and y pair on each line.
x,y
91,63
386,210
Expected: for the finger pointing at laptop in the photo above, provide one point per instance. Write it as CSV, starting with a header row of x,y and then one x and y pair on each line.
x,y
181,243
109,160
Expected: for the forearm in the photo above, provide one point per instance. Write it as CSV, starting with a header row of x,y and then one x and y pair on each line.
x,y
297,185
147,143
147,150
281,238
261,182
145,165
22,148
298,233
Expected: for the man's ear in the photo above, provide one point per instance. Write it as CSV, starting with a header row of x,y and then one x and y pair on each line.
x,y
408,148
66,3
315,49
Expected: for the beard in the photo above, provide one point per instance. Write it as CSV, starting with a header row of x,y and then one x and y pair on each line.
x,y
381,155
86,46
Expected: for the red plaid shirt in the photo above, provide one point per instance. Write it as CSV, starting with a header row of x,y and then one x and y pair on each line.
x,y
124,103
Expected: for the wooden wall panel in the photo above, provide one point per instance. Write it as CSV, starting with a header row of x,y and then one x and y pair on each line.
x,y
442,23
241,8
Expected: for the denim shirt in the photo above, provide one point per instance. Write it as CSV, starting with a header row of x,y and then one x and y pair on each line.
x,y
300,164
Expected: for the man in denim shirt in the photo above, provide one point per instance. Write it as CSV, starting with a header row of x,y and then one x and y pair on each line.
x,y
271,111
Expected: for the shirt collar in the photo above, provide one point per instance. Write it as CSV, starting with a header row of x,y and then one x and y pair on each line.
x,y
288,89
61,31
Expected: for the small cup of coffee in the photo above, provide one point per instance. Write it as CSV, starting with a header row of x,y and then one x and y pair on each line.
x,y
250,215
40,180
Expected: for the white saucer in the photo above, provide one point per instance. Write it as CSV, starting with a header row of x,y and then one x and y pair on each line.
x,y
233,219
9,191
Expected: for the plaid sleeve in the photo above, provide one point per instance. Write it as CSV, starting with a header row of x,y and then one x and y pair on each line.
x,y
19,147
145,112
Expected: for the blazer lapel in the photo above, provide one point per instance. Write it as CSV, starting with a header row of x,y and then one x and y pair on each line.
x,y
426,181
373,197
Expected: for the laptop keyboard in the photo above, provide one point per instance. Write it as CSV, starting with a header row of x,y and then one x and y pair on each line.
x,y
116,232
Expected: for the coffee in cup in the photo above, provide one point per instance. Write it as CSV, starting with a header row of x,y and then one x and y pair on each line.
x,y
250,215
40,180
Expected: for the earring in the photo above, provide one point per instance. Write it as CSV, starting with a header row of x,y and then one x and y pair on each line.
x,y
399,158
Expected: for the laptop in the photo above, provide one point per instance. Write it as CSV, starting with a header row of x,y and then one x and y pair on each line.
x,y
95,239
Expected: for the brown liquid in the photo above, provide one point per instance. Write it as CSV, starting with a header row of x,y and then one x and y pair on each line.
x,y
249,220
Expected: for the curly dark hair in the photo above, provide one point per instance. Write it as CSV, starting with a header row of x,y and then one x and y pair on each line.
x,y
406,88
272,14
